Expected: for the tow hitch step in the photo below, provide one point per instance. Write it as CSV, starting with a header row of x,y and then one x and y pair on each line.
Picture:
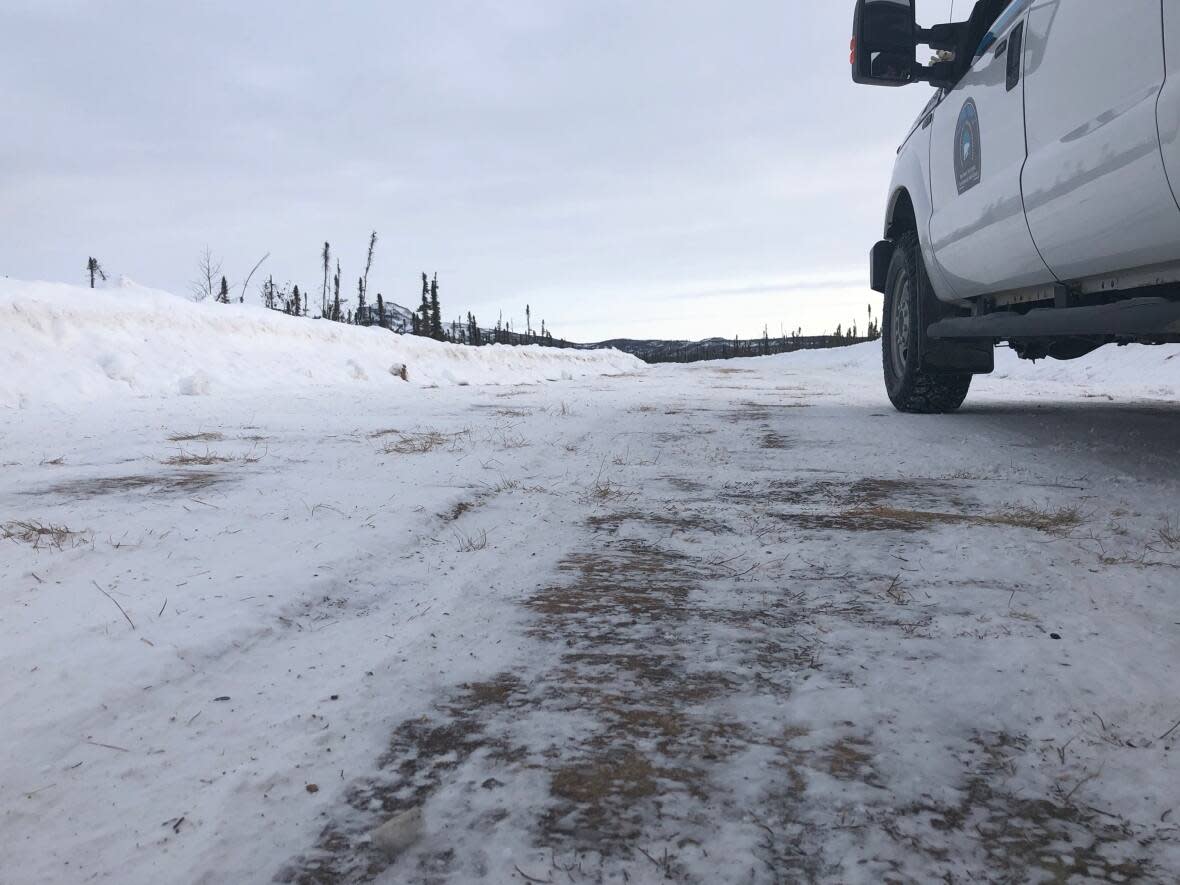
x,y
1135,318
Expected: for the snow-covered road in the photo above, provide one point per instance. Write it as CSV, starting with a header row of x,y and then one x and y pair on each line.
x,y
733,622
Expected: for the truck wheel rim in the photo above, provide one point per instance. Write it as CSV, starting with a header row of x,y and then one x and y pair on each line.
x,y
900,326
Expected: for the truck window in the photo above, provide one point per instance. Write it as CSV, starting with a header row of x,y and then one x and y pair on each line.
x,y
1003,21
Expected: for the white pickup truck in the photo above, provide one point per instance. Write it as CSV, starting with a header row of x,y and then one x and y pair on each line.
x,y
1034,201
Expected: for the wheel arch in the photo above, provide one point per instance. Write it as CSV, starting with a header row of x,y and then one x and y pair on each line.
x,y
900,217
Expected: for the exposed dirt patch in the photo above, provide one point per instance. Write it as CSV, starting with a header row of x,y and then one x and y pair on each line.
x,y
660,673
885,519
422,753
684,484
180,482
1061,841
760,412
773,440
464,507
631,578
674,521
828,493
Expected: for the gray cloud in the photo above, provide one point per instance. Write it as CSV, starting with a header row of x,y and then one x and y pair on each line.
x,y
596,160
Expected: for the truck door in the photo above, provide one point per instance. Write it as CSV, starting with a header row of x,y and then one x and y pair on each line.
x,y
1168,111
1095,188
977,229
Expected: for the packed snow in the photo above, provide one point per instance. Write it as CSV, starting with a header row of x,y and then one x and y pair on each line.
x,y
63,344
575,620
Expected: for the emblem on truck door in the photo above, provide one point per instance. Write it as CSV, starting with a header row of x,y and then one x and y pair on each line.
x,y
968,148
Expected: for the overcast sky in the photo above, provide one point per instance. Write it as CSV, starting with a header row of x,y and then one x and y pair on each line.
x,y
679,168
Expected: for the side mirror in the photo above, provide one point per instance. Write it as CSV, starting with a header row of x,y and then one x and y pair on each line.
x,y
884,43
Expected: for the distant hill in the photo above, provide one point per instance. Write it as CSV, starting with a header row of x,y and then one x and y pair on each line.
x,y
654,350
397,318
650,350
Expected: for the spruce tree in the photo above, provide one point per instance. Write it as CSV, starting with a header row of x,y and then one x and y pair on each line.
x,y
360,301
424,309
380,310
436,329
223,292
296,306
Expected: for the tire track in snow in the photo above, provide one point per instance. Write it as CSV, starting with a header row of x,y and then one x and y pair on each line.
x,y
698,706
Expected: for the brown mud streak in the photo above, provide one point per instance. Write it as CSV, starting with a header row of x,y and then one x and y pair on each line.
x,y
631,622
176,482
421,754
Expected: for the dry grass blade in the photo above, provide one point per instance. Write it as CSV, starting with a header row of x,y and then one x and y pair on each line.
x,y
208,459
188,459
209,436
896,593
506,440
422,442
605,491
1041,519
38,534
1169,536
472,543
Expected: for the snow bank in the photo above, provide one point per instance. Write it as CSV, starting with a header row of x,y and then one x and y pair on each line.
x,y
62,344
1132,371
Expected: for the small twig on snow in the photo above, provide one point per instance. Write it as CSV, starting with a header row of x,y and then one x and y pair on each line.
x,y
1169,731
116,602
107,746
1083,782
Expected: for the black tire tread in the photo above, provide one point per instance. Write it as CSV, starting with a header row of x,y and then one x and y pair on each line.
x,y
920,390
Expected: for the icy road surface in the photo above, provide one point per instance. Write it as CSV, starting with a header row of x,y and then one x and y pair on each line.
x,y
733,622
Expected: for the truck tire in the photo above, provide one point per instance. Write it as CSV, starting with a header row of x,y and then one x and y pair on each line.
x,y
912,385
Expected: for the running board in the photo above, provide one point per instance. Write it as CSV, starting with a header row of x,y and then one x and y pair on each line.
x,y
1136,318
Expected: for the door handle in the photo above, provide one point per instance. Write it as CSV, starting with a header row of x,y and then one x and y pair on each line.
x,y
1015,56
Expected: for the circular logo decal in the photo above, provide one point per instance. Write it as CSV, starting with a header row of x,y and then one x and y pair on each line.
x,y
968,148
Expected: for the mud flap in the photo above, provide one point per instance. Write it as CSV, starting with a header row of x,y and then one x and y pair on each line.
x,y
976,357
971,356
879,260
